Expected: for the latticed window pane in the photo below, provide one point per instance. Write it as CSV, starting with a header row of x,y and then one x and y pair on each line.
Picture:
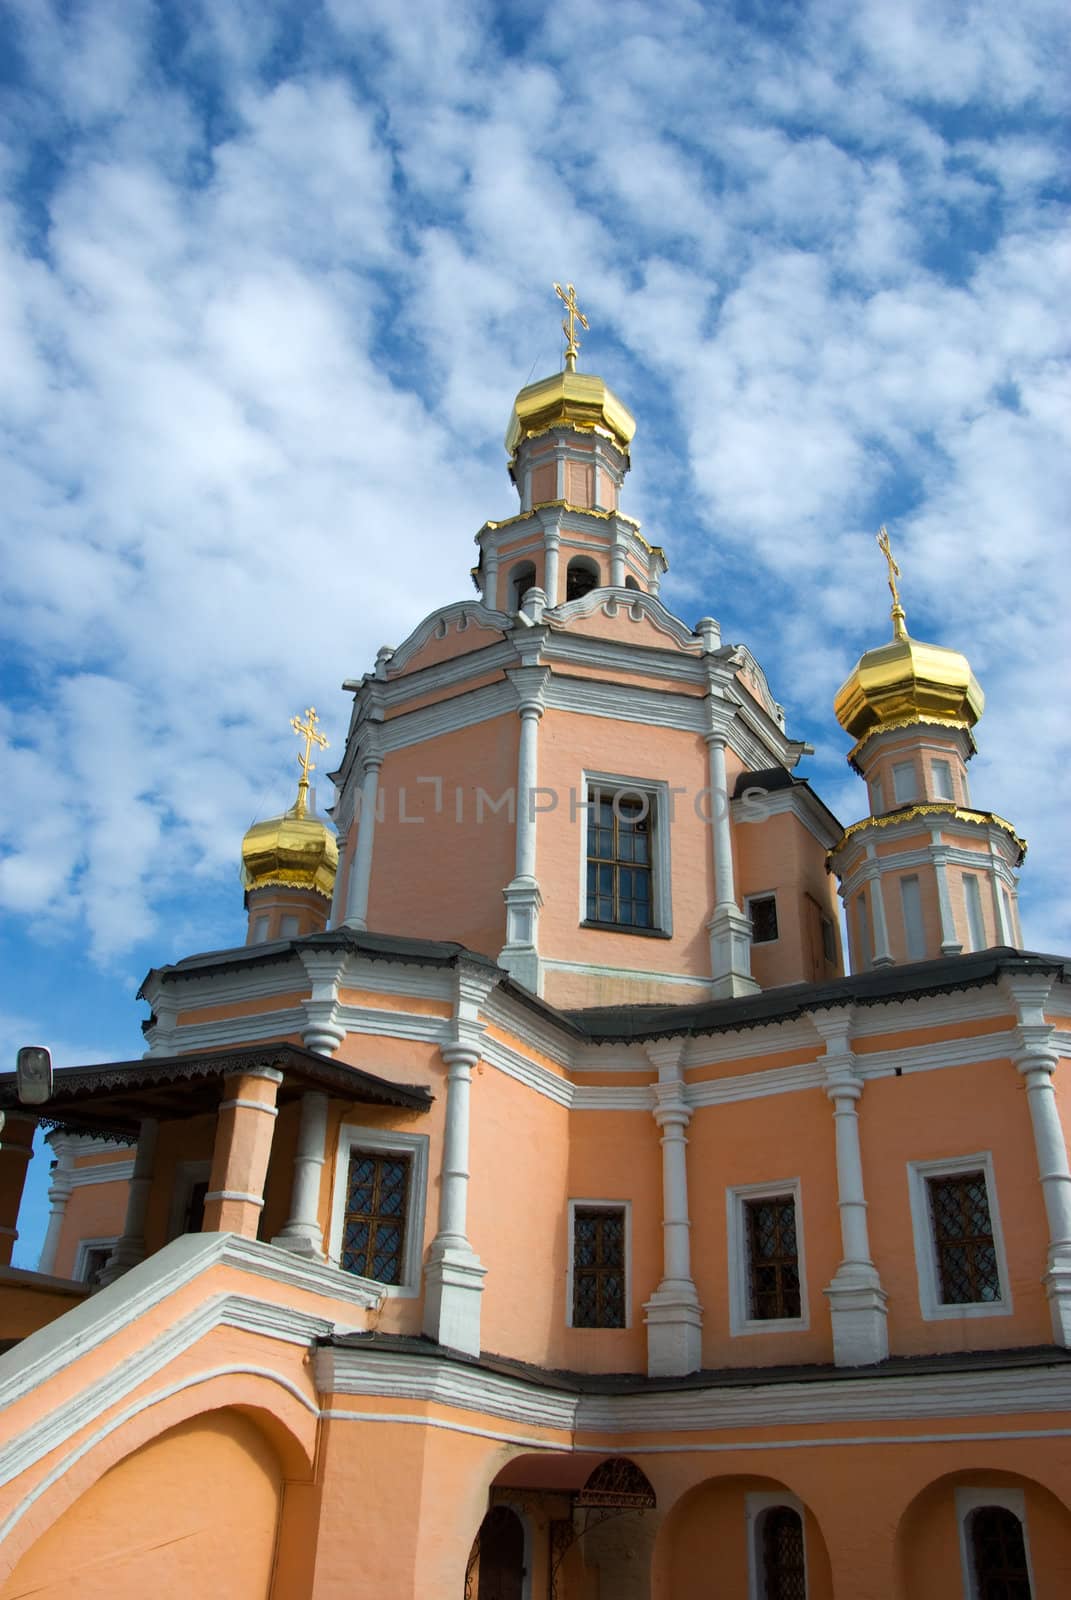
x,y
999,1554
963,1239
619,859
598,1269
773,1258
377,1202
783,1566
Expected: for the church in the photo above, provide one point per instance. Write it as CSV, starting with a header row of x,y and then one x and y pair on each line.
x,y
541,1203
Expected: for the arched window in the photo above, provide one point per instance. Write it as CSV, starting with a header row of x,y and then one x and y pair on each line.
x,y
780,1554
496,1564
521,579
998,1555
582,576
630,582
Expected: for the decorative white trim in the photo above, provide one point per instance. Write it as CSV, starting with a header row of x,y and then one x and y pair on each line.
x,y
656,791
119,1171
931,1306
749,900
969,1500
740,1319
600,1205
592,969
79,1272
384,1142
459,616
236,1194
756,1505
250,1105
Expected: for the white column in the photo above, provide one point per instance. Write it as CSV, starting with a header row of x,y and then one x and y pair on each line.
x,y
490,580
1000,912
361,871
950,944
729,928
882,955
520,953
1036,1061
454,1274
130,1248
338,892
551,549
856,1298
617,565
302,1232
674,1317
59,1192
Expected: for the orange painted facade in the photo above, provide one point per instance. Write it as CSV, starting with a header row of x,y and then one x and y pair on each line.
x,y
553,1216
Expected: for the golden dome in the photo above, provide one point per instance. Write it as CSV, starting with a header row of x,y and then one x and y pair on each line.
x,y
904,682
569,399
296,851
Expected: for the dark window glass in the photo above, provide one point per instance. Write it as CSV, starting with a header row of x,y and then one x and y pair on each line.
x,y
598,1268
195,1208
963,1238
999,1555
772,1258
96,1259
523,580
580,580
377,1200
619,888
783,1570
763,913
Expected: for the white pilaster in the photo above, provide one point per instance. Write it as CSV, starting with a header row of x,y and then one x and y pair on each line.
x,y
323,1031
551,553
520,954
674,1317
130,1247
59,1192
729,928
950,945
1002,922
617,565
879,927
1036,1060
454,1273
490,580
338,891
856,1298
361,871
302,1232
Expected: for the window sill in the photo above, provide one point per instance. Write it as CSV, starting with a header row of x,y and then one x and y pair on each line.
x,y
742,1330
944,1312
625,927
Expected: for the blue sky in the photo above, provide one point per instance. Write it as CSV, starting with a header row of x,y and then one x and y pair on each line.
x,y
270,276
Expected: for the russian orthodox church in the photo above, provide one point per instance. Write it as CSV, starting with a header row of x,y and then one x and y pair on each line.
x,y
538,1203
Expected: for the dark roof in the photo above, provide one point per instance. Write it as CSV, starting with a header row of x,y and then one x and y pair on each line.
x,y
916,981
113,1096
769,778
625,1383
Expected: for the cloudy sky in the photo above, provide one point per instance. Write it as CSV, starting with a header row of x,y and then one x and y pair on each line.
x,y
271,274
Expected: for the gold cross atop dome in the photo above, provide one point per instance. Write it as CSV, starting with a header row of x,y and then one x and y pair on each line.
x,y
573,315
898,617
307,731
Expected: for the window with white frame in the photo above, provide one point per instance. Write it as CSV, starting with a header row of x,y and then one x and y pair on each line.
x,y
599,1252
911,906
377,1213
260,930
767,1285
625,854
776,1544
959,1248
905,782
972,897
90,1259
288,927
862,928
994,1550
762,912
941,778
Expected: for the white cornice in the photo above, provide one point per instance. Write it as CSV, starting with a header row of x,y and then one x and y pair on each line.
x,y
466,613
798,801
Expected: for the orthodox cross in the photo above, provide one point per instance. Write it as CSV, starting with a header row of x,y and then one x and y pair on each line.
x,y
573,316
307,731
898,616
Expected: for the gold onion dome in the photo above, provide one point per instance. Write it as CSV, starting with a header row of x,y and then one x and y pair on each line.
x,y
569,399
906,681
297,850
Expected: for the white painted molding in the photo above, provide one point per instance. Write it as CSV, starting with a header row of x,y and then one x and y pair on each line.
x,y
932,1307
384,1141
969,1500
457,617
741,1322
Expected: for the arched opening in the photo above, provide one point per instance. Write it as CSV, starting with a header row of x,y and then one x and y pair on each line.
x,y
997,1553
755,1533
496,1567
582,575
630,582
780,1561
521,579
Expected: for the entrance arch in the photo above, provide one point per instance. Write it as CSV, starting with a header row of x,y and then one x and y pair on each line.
x,y
498,1565
935,1546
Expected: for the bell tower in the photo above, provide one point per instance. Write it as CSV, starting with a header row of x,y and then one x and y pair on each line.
x,y
925,874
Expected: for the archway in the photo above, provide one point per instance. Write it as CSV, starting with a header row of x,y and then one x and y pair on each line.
x,y
734,1536
582,575
983,1532
151,1524
497,1568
